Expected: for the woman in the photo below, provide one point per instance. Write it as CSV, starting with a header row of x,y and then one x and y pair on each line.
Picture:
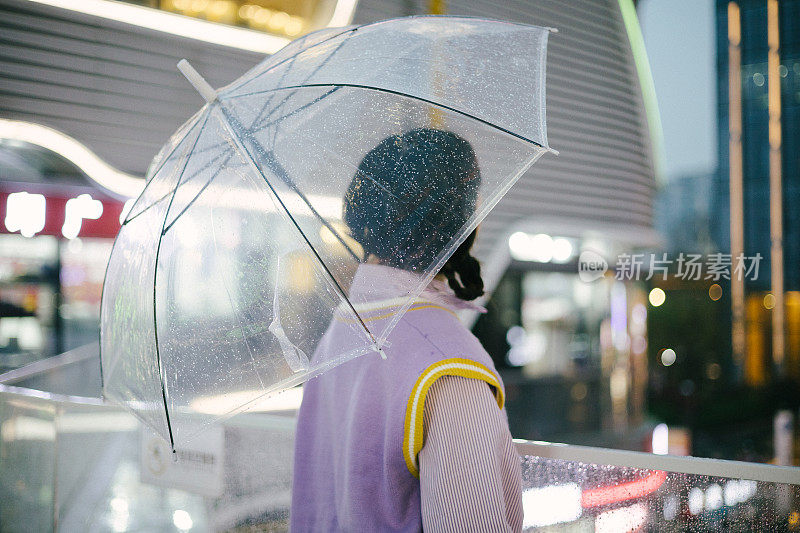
x,y
419,440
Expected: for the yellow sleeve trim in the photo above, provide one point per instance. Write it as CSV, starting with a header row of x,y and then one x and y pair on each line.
x,y
412,431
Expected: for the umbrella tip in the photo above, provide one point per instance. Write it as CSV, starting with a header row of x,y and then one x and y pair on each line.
x,y
378,347
198,82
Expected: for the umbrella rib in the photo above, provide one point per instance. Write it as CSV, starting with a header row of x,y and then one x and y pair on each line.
x,y
276,165
293,56
262,126
158,201
202,189
161,165
260,116
264,112
317,69
400,93
241,147
155,297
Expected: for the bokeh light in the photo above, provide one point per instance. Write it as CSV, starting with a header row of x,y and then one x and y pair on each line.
x,y
657,297
668,357
715,292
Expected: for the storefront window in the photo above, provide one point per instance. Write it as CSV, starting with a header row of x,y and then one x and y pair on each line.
x,y
561,318
83,265
28,290
54,246
574,358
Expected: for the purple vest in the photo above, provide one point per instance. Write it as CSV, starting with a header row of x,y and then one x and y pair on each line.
x,y
359,428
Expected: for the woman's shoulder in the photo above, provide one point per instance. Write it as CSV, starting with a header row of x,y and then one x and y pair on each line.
x,y
430,333
436,321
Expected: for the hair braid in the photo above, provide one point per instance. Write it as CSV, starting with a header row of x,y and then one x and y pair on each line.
x,y
463,271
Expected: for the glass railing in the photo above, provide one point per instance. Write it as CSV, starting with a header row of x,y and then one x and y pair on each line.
x,y
578,488
68,462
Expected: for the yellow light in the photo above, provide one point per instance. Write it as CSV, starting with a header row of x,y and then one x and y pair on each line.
x,y
715,292
668,357
301,273
775,183
618,384
175,24
579,391
657,297
734,24
738,331
248,11
769,301
327,235
331,240
219,8
294,26
261,15
199,5
278,20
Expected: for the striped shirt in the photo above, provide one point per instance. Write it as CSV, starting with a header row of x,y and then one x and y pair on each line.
x,y
470,477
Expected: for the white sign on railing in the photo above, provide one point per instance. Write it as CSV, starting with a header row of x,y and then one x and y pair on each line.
x,y
197,466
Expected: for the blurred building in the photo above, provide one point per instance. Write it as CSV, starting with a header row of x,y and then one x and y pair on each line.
x,y
682,213
757,191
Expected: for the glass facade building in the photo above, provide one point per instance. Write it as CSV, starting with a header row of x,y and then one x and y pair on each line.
x,y
754,50
755,122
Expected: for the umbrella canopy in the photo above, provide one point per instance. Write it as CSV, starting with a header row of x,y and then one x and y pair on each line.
x,y
259,210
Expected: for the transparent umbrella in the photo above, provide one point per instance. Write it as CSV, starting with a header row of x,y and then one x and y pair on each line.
x,y
240,251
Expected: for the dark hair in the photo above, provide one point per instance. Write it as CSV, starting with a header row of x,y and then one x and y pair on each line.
x,y
410,196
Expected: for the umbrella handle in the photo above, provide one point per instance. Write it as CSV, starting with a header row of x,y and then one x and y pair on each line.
x,y
198,82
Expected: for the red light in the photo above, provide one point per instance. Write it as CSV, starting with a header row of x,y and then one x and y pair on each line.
x,y
624,491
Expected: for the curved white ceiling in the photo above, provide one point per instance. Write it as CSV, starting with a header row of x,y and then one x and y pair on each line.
x,y
82,157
